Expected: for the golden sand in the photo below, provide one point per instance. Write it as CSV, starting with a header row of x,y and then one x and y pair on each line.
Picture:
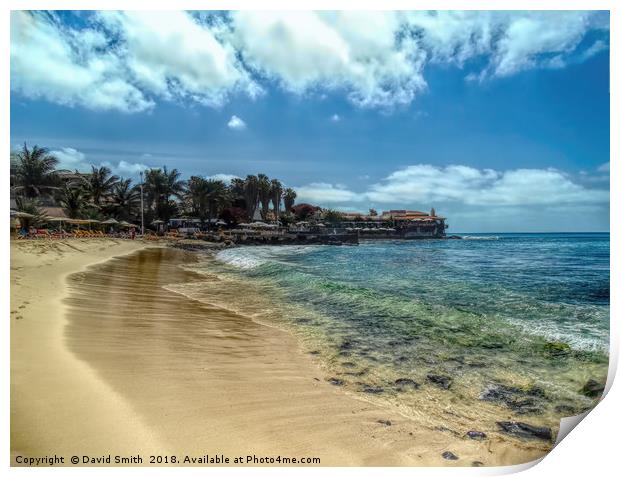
x,y
108,361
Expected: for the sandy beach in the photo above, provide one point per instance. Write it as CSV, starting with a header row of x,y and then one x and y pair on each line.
x,y
107,361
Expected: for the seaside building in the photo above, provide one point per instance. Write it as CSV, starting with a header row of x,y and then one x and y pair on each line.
x,y
398,223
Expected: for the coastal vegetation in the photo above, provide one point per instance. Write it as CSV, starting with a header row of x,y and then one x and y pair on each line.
x,y
37,183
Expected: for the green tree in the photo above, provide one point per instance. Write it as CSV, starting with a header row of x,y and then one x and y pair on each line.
x,y
161,186
125,199
34,172
332,216
289,197
29,205
250,192
73,199
99,184
264,194
276,197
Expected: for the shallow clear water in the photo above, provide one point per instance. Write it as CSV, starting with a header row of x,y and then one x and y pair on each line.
x,y
524,310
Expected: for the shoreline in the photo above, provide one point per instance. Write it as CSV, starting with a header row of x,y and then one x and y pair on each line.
x,y
58,403
295,412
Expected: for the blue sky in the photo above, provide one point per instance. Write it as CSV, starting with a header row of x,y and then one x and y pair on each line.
x,y
499,120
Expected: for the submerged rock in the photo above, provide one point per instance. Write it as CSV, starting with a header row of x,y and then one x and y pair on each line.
x,y
593,389
526,431
385,422
476,435
335,381
522,401
477,463
566,409
443,382
449,456
556,349
404,383
372,389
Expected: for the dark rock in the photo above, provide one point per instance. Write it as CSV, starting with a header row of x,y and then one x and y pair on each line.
x,y
443,382
385,422
344,354
526,431
373,389
335,381
519,400
477,463
449,456
403,383
315,352
593,389
346,344
556,349
476,435
566,409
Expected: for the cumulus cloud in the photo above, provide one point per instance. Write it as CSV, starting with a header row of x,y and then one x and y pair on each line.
x,y
485,187
324,193
51,61
125,168
126,61
227,178
463,186
71,159
335,118
236,123
74,160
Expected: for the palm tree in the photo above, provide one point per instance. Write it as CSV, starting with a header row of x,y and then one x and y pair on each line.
x,y
72,199
237,192
206,197
34,171
264,194
161,186
276,197
250,190
289,197
99,184
125,199
30,206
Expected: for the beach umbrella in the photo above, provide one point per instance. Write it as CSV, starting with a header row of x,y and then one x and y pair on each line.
x,y
110,221
21,215
320,225
124,223
220,222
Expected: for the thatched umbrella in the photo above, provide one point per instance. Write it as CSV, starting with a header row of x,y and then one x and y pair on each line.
x,y
110,221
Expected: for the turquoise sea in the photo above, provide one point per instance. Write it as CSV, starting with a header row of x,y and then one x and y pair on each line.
x,y
489,327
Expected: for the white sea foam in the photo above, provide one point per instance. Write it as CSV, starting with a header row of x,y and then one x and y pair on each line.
x,y
480,237
252,257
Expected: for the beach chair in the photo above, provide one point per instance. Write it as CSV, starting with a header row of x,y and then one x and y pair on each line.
x,y
42,234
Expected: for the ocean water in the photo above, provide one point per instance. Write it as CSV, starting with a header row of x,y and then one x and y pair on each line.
x,y
525,314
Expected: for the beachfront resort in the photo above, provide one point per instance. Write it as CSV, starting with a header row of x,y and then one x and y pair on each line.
x,y
47,202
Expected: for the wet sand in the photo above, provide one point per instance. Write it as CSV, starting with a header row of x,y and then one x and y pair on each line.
x,y
200,379
58,403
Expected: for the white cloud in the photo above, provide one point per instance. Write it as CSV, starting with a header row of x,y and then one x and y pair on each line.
x,y
124,168
127,60
227,178
603,167
482,187
356,52
61,65
171,54
71,159
335,118
324,193
236,123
